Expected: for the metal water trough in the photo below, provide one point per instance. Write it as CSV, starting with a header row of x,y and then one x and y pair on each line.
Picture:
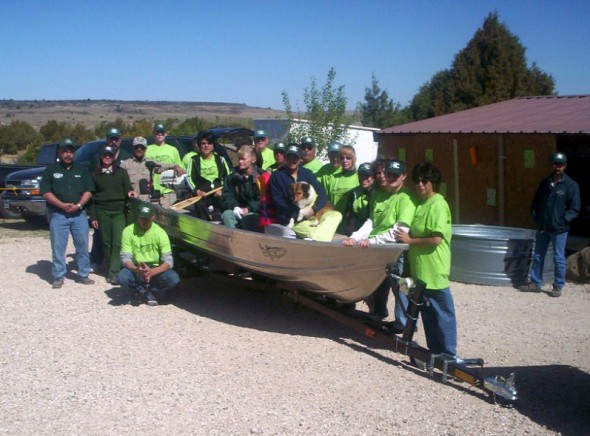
x,y
497,256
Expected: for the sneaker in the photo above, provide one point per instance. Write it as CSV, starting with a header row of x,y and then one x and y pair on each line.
x,y
94,268
85,281
531,287
57,283
150,299
555,292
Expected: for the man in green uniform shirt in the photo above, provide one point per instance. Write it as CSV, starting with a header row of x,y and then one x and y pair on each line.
x,y
67,187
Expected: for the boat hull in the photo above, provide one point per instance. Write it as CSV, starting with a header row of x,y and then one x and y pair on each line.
x,y
346,274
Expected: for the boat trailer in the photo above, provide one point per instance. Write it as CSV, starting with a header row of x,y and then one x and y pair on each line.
x,y
500,390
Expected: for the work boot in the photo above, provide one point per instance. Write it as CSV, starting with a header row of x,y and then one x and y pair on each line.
x,y
85,281
531,287
150,299
57,283
555,292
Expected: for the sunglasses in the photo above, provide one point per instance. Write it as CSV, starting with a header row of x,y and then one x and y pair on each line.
x,y
306,147
160,132
423,181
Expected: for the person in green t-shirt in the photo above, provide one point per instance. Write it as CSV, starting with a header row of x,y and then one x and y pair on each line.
x,y
308,153
207,172
261,142
146,255
430,259
341,184
166,154
326,172
391,206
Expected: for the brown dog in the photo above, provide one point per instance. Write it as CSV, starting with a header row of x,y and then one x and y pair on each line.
x,y
304,196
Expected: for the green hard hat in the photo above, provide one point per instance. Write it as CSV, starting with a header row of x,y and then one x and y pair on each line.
x,y
307,140
113,133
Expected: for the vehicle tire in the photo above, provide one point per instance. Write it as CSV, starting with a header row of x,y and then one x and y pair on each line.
x,y
5,213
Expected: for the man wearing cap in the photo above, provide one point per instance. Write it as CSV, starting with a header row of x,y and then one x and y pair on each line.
x,y
359,198
327,171
308,152
391,206
285,207
167,154
67,187
279,156
261,142
555,205
139,173
146,255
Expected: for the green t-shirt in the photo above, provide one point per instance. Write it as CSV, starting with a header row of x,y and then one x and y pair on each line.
x,y
313,165
430,263
325,175
340,187
388,209
145,246
268,158
186,159
209,169
360,206
166,154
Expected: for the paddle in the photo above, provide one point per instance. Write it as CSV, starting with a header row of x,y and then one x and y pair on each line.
x,y
190,201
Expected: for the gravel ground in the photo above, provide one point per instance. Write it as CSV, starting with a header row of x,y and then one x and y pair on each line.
x,y
221,360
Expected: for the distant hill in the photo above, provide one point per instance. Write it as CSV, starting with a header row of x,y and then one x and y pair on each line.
x,y
92,112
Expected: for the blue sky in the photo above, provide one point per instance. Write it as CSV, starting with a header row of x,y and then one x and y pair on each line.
x,y
250,51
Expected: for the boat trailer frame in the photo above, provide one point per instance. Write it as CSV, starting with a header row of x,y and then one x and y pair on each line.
x,y
501,390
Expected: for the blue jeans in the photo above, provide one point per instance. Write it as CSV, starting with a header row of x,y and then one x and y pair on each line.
x,y
542,240
378,299
61,225
439,321
159,284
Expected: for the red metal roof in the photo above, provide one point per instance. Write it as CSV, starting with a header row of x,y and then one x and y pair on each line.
x,y
545,114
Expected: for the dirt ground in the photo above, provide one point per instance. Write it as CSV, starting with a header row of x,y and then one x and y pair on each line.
x,y
225,360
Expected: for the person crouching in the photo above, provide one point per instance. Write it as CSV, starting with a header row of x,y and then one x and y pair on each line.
x,y
146,255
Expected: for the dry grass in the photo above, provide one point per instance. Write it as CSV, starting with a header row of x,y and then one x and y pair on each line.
x,y
92,112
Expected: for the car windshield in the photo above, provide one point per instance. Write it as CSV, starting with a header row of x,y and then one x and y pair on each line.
x,y
86,153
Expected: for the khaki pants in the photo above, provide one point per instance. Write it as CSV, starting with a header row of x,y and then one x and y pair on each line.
x,y
323,230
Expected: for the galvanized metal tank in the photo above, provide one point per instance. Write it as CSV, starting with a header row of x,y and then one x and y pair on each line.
x,y
497,256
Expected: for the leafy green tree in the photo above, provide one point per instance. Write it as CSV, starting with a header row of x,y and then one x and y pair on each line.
x,y
100,130
379,110
325,111
17,136
491,68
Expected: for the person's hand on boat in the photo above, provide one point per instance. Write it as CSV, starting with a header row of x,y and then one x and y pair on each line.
x,y
364,243
348,242
238,212
201,193
179,170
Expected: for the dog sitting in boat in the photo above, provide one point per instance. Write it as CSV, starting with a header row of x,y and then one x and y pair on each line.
x,y
304,196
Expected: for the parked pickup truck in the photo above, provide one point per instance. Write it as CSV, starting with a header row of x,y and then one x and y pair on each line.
x,y
47,155
30,204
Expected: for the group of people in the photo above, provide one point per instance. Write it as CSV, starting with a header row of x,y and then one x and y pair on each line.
x,y
137,251
369,204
